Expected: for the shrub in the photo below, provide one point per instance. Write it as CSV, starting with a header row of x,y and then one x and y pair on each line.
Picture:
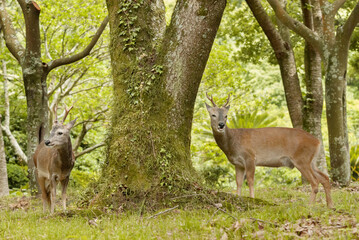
x,y
81,178
354,162
17,176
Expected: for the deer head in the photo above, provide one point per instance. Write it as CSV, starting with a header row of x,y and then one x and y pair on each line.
x,y
218,115
60,133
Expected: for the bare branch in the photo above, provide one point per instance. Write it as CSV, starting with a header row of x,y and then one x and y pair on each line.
x,y
298,27
9,34
84,53
350,24
336,6
47,52
6,127
90,149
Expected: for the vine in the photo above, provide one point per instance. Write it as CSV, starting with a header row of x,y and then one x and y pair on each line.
x,y
127,11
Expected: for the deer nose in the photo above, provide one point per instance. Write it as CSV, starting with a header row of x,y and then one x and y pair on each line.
x,y
221,125
47,142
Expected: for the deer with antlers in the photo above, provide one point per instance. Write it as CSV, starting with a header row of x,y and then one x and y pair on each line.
x,y
247,148
54,160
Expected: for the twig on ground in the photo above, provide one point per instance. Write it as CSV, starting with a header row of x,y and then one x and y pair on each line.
x,y
263,221
165,211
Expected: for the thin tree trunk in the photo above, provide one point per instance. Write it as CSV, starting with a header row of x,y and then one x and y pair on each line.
x,y
4,185
280,42
313,106
335,84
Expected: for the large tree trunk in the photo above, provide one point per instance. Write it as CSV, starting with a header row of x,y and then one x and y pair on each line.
x,y
335,85
4,185
156,76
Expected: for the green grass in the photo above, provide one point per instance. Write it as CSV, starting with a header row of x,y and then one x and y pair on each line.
x,y
288,217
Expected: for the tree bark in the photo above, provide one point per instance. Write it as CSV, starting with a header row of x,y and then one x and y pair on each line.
x,y
4,185
156,75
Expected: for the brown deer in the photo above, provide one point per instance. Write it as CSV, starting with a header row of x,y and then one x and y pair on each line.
x,y
54,161
247,148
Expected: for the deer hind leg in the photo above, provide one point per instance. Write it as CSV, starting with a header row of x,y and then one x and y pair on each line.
x,y
250,169
324,180
239,179
308,173
64,184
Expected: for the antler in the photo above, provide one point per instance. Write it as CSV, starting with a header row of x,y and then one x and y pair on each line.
x,y
54,110
66,113
225,105
211,99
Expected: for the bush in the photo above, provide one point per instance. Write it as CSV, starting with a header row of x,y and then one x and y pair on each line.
x,y
216,175
354,162
17,176
81,179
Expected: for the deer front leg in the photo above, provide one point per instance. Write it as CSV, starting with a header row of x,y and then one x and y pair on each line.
x,y
64,184
53,185
239,178
44,193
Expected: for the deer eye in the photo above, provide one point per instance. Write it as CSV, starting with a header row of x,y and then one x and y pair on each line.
x,y
225,116
213,115
59,133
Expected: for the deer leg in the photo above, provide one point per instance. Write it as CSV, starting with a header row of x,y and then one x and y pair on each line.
x,y
310,176
239,179
64,184
324,180
53,185
250,169
44,193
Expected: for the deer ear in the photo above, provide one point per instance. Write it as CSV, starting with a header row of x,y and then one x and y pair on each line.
x,y
71,124
208,107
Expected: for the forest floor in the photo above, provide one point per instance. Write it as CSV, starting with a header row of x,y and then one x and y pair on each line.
x,y
286,216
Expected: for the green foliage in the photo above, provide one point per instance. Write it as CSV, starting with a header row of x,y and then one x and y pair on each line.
x,y
17,176
354,162
217,175
80,179
252,120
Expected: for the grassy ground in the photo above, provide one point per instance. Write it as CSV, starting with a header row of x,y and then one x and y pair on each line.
x,y
288,216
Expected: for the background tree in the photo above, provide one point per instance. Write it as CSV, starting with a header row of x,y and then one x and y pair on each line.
x,y
35,71
332,43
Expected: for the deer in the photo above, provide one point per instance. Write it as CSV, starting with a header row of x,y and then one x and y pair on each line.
x,y
247,148
54,160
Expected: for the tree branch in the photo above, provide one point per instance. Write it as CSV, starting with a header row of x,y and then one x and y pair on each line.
x,y
350,24
84,53
6,127
9,34
336,6
90,149
298,27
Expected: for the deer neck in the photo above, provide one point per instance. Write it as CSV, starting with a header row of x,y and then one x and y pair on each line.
x,y
65,154
223,138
